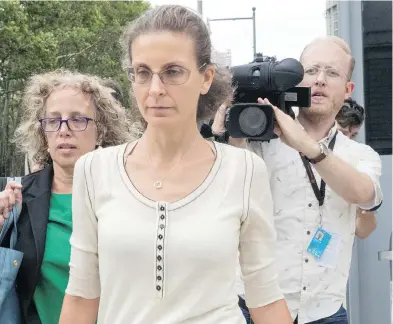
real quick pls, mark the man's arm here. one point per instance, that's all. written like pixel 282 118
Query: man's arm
pixel 349 183
pixel 366 223
pixel 354 186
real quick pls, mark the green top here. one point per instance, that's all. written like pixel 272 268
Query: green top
pixel 49 293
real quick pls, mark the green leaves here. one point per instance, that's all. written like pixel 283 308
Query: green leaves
pixel 39 36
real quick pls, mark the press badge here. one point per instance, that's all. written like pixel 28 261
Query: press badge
pixel 319 243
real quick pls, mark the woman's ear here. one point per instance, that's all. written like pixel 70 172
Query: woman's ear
pixel 208 77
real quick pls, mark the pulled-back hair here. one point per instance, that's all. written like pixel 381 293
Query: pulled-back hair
pixel 179 19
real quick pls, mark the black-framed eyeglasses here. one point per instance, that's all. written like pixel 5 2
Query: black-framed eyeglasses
pixel 75 124
pixel 173 75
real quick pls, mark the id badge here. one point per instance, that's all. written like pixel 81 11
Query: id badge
pixel 319 243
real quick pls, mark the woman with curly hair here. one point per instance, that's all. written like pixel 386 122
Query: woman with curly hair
pixel 158 222
pixel 65 115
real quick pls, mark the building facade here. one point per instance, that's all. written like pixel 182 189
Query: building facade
pixel 222 58
pixel 331 15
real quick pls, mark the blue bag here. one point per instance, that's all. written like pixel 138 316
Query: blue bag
pixel 10 261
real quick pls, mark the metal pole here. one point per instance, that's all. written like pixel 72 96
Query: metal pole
pixel 254 32
pixel 242 18
pixel 200 7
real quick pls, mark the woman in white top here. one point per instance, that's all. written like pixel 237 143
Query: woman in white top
pixel 158 223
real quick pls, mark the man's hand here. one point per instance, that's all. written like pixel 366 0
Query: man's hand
pixel 292 134
pixel 366 223
pixel 218 127
pixel 8 198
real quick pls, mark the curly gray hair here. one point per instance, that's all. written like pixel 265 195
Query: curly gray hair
pixel 179 19
pixel 113 125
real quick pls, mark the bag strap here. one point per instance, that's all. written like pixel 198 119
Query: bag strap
pixel 12 220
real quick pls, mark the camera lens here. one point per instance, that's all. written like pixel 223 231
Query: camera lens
pixel 252 121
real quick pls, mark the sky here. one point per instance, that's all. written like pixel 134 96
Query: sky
pixel 283 27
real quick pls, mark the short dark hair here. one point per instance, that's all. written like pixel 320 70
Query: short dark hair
pixel 351 114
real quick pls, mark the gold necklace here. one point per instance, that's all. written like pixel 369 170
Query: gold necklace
pixel 158 183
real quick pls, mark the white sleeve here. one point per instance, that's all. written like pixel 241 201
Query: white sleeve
pixel 258 238
pixel 370 164
pixel 84 278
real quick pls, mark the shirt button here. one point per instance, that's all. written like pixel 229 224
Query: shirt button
pixel 310 205
pixel 308 232
pixel 158 288
pixel 162 226
pixel 304 288
pixel 162 217
pixel 306 260
pixel 159 258
pixel 159 278
pixel 160 237
pixel 162 208
pixel 159 268
pixel 160 247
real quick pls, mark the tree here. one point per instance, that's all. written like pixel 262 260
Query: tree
pixel 39 36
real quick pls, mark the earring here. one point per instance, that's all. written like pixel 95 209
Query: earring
pixel 48 150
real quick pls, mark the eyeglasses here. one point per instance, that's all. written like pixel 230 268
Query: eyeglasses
pixel 330 72
pixel 174 75
pixel 75 124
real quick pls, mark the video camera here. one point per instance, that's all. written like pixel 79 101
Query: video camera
pixel 275 81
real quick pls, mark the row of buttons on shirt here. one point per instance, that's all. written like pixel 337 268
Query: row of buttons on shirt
pixel 160 247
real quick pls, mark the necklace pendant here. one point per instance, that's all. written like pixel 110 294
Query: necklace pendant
pixel 157 184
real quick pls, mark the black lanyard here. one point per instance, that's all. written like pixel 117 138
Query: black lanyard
pixel 318 192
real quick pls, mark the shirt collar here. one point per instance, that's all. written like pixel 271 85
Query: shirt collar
pixel 326 140
pixel 329 137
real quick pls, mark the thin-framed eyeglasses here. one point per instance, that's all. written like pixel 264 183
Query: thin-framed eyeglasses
pixel 330 72
pixel 75 124
pixel 173 75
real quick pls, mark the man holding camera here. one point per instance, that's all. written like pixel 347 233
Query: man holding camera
pixel 318 178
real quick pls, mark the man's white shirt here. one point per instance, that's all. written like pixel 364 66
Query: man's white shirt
pixel 314 289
